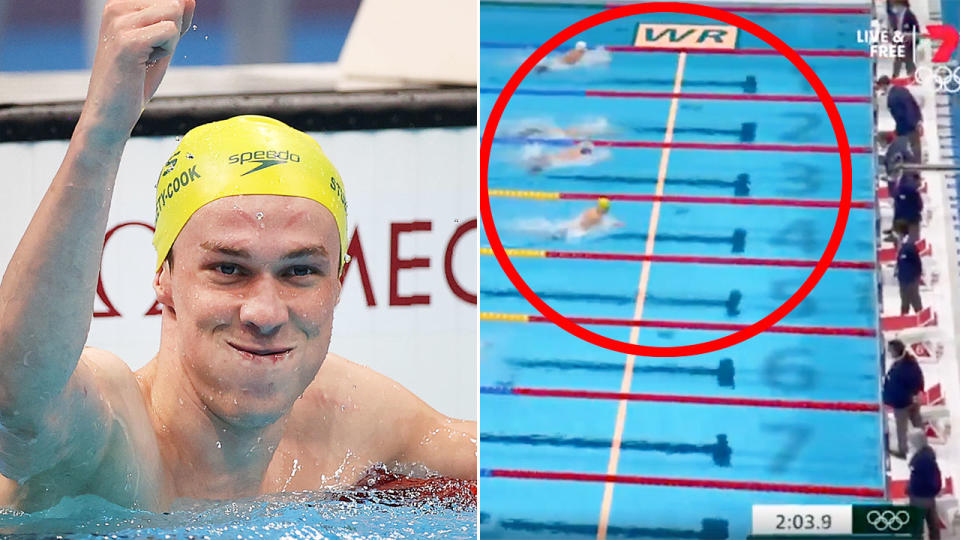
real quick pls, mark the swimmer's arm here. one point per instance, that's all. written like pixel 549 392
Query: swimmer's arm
pixel 443 444
pixel 410 432
pixel 48 288
pixel 72 433
pixel 47 291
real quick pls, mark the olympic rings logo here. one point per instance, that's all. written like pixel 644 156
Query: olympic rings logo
pixel 892 520
pixel 944 78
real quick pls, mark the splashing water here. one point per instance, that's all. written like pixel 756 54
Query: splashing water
pixel 296 469
pixel 592 58
pixel 542 227
pixel 548 128
pixel 333 514
pixel 566 230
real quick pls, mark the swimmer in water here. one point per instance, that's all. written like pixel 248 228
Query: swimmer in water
pixel 581 153
pixel 594 216
pixel 590 219
pixel 571 58
pixel 242 397
pixel 547 130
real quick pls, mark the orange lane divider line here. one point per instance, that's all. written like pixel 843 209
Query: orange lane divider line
pixel 625 383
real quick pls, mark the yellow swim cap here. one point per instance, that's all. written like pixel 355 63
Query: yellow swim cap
pixel 603 203
pixel 244 155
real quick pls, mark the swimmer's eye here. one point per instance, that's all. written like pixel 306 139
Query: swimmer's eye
pixel 228 269
pixel 227 272
pixel 303 270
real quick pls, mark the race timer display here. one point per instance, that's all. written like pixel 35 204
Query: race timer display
pixel 837 521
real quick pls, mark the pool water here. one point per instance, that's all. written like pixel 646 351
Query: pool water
pixel 348 515
pixel 524 436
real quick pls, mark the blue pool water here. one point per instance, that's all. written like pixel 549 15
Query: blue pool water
pixel 288 515
pixel 675 440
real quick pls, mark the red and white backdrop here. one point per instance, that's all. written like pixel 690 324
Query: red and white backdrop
pixel 408 308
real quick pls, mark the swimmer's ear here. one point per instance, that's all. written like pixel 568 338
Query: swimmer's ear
pixel 161 284
pixel 339 291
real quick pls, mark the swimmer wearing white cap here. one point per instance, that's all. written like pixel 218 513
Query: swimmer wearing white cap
pixel 242 397
pixel 580 153
pixel 572 57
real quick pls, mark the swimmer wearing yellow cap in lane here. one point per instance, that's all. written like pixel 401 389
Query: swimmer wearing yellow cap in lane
pixel 594 216
pixel 242 397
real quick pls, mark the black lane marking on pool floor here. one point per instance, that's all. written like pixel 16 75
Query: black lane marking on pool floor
pixel 724 372
pixel 737 240
pixel 740 186
pixel 731 305
pixel 748 85
pixel 746 133
pixel 710 529
pixel 718 451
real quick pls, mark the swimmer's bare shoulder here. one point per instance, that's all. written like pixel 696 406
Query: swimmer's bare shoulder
pixel 364 418
pixel 94 437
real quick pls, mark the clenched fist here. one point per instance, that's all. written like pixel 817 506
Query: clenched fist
pixel 137 40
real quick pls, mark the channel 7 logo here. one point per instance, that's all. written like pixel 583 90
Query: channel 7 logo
pixel 945 78
pixel 947 35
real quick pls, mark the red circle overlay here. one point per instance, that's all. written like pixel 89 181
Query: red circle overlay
pixel 690 9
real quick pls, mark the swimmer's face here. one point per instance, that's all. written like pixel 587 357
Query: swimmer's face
pixel 586 150
pixel 252 274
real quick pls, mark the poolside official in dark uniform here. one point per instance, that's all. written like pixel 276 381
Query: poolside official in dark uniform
pixel 905 111
pixel 901 391
pixel 908 206
pixel 903 20
pixel 909 271
pixel 925 481
pixel 897 154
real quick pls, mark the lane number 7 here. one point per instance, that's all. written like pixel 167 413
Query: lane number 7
pixel 948 41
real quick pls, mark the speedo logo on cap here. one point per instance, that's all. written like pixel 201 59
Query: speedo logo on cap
pixel 264 158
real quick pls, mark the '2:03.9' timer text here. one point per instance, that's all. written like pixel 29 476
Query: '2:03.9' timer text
pixel 792 522
pixel 793 519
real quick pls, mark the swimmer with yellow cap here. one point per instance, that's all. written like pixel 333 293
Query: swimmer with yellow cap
pixel 245 155
pixel 592 217
pixel 595 217
pixel 242 397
